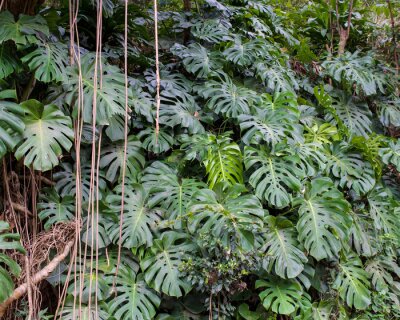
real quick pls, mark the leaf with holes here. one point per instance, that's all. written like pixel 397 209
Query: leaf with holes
pixel 169 191
pixel 391 154
pixel 282 248
pixel 48 61
pixel 66 181
pixel 162 261
pixel 156 143
pixel 53 209
pixel 231 219
pixel 226 98
pixel 110 93
pixel 181 112
pixel 47 131
pixel 276 77
pixel 197 59
pixel 280 296
pixel 352 282
pixel 134 299
pixel 139 221
pixel 245 53
pixel 274 176
pixel 323 218
pixel 354 116
pixel 349 168
pixel 212 31
pixel 382 211
pixel 23 31
pixel 112 159
pixel 389 112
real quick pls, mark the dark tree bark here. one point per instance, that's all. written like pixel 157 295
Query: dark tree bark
pixel 187 6
pixel 17 7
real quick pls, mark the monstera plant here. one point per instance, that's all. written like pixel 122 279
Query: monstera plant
pixel 241 161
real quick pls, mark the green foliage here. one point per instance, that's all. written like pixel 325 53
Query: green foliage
pixel 134 300
pixel 323 219
pixel 8 267
pixel 282 248
pixel 55 209
pixel 24 30
pixel 273 175
pixel 170 191
pixel 11 126
pixel 112 159
pixel 280 295
pixel 264 187
pixel 223 161
pixel 162 261
pixel 353 284
pixel 227 98
pixel 138 221
pixel 48 61
pixel 47 131
pixel 231 217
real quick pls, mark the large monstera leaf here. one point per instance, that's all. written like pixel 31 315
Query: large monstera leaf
pixel 11 126
pixel 363 236
pixel 354 116
pixel 391 154
pixel 134 299
pixel 227 98
pixel 66 181
pixel 170 191
pixel 54 209
pixel 353 69
pixel 197 59
pixel 156 143
pixel 109 90
pixel 47 131
pixel 282 248
pixel 381 268
pixel 276 77
pixel 223 161
pixel 138 221
pixel 273 175
pixel 112 159
pixel 48 61
pixel 389 112
pixel 352 282
pixel 382 211
pixel 280 295
pixel 24 30
pixel 181 112
pixel 350 169
pixel 245 53
pixel 162 261
pixel 323 218
pixel 272 127
pixel 211 31
pixel 227 216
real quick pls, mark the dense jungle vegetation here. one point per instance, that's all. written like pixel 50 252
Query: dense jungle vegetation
pixel 199 159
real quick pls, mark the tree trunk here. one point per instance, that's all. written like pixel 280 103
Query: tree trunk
pixel 187 6
pixel 17 7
